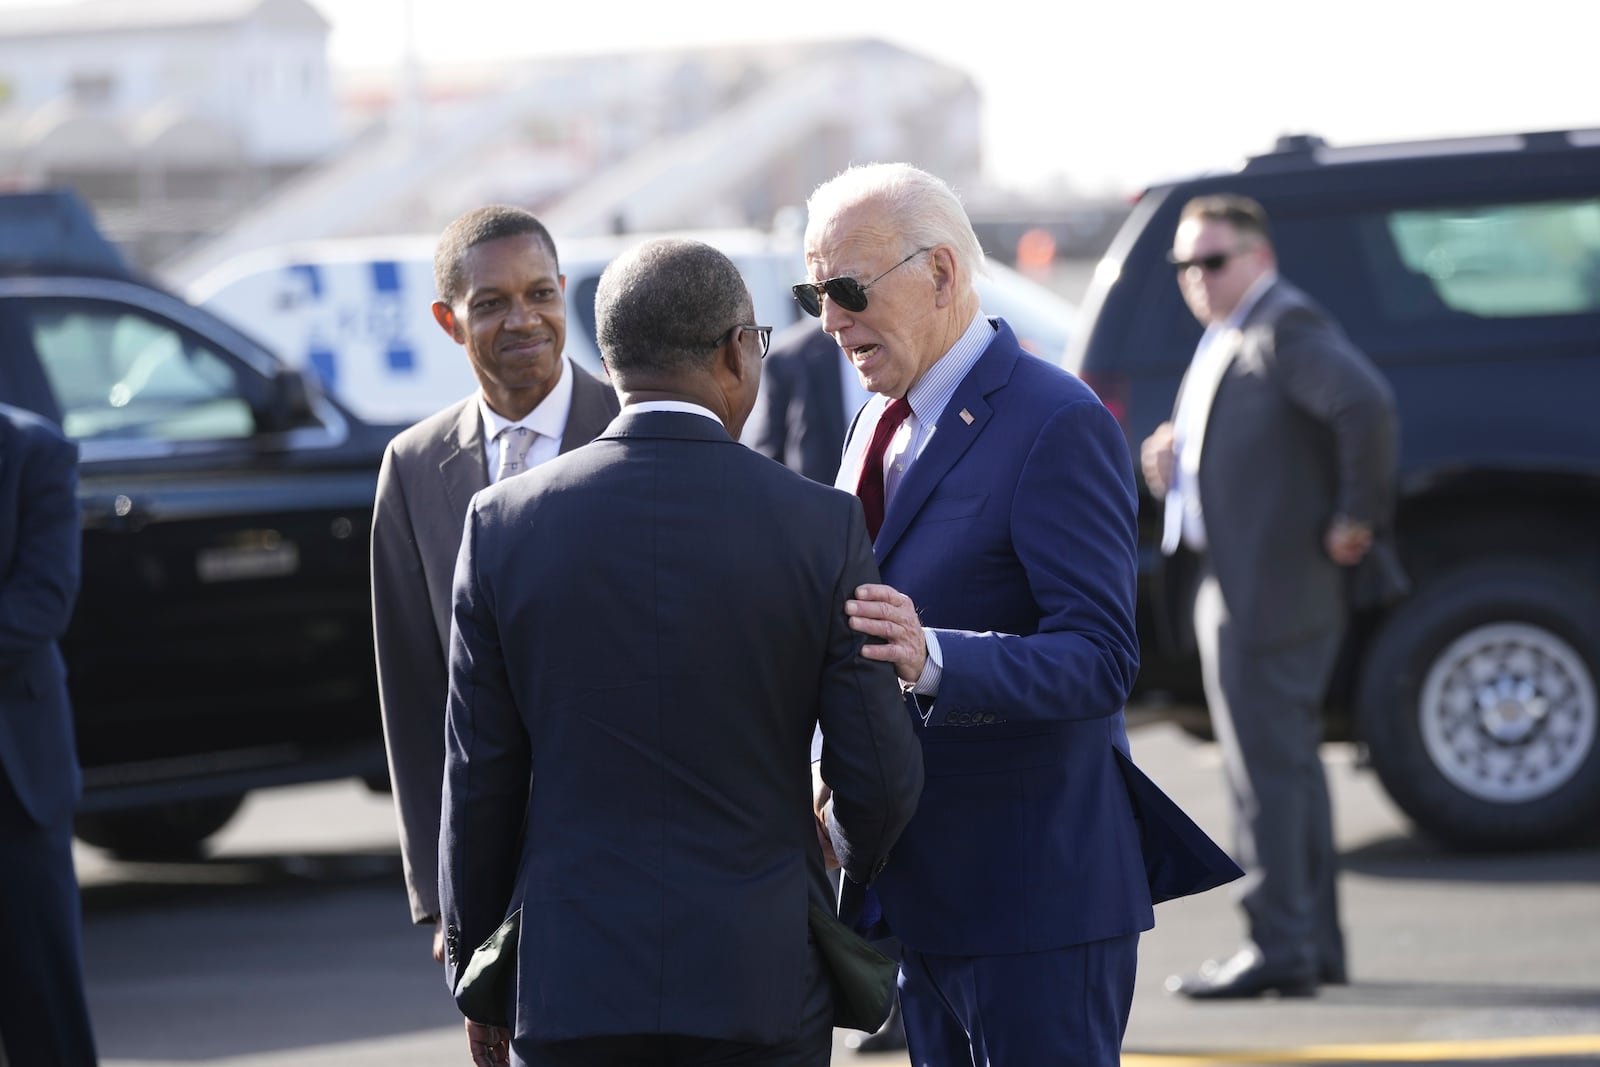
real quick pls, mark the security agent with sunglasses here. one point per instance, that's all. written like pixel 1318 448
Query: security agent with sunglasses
pixel 1000 494
pixel 647 630
pixel 1277 471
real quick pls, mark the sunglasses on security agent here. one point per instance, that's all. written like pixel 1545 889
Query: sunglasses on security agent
pixel 1211 264
pixel 846 292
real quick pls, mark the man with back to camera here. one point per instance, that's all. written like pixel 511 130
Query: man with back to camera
pixel 44 1018
pixel 1295 476
pixel 502 298
pixel 632 706
pixel 1000 495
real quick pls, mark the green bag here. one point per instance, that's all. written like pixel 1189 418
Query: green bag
pixel 484 989
pixel 863 978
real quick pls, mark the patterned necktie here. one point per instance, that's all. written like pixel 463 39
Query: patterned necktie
pixel 514 444
pixel 870 487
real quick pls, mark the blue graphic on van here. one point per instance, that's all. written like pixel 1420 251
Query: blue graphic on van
pixel 324 365
pixel 386 276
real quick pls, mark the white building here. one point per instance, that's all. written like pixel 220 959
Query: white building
pixel 168 114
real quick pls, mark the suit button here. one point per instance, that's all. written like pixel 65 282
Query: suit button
pixel 950 719
pixel 989 717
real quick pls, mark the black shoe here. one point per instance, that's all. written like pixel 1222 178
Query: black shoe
pixel 891 1036
pixel 1333 974
pixel 1239 977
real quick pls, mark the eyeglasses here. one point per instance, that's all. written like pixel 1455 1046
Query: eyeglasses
pixel 1210 264
pixel 763 333
pixel 846 292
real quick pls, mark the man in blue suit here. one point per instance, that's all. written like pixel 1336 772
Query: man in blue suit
pixel 1005 494
pixel 647 630
pixel 43 1016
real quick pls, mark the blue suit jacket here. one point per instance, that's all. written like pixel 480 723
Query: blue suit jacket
pixel 39 565
pixel 1014 534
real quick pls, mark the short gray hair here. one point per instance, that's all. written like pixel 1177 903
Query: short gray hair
pixel 924 209
pixel 665 304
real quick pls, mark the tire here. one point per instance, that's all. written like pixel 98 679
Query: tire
pixel 1478 703
pixel 161 832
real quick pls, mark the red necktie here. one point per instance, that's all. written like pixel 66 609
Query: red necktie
pixel 870 487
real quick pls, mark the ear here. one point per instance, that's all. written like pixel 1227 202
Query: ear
pixel 731 358
pixel 942 264
pixel 445 316
pixel 562 278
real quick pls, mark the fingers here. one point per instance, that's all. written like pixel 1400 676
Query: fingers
pixel 490 1046
pixel 438 941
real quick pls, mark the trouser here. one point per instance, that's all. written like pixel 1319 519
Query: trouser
pixel 1266 710
pixel 1064 1007
pixel 44 1018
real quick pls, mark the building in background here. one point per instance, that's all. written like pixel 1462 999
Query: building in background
pixel 168 115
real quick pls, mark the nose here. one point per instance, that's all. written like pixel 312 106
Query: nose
pixel 833 316
pixel 522 314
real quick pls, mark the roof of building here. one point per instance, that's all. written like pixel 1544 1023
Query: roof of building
pixel 119 16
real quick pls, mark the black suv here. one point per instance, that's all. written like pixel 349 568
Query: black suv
pixel 222 638
pixel 1469 271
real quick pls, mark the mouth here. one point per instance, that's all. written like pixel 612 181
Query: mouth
pixel 530 347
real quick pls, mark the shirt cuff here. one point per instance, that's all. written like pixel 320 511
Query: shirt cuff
pixel 927 684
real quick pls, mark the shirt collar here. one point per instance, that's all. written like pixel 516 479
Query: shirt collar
pixel 932 392
pixel 549 416
pixel 682 406
pixel 1247 303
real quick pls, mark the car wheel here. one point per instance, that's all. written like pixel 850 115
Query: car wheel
pixel 159 832
pixel 1478 704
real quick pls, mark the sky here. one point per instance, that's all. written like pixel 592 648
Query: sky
pixel 1107 95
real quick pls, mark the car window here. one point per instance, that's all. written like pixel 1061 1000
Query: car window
pixel 120 374
pixel 1506 260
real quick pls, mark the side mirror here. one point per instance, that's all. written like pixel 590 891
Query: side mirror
pixel 288 403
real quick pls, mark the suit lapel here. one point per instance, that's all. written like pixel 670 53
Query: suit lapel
pixel 463 467
pixel 590 414
pixel 951 439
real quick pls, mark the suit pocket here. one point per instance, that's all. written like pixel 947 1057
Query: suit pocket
pixel 945 509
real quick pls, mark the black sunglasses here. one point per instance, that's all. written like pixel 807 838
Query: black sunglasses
pixel 764 333
pixel 846 292
pixel 1210 264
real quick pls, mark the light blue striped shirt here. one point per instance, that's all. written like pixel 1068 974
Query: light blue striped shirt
pixel 928 397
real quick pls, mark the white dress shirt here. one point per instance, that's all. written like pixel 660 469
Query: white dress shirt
pixel 548 420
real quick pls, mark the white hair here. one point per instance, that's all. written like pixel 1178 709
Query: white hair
pixel 924 209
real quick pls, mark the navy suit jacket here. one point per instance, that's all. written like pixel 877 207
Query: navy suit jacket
pixel 39 572
pixel 646 632
pixel 799 419
pixel 1014 534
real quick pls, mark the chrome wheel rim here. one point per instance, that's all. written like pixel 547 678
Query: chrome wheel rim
pixel 1508 712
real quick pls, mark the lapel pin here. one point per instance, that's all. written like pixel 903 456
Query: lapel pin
pixel 966 416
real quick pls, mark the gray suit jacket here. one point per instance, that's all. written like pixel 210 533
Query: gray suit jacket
pixel 1302 428
pixel 429 475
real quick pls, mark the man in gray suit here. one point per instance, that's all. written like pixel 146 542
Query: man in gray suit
pixel 1277 470
pixel 502 298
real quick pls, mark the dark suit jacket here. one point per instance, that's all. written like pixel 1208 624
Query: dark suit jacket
pixel 429 474
pixel 647 631
pixel 1302 428
pixel 1014 534
pixel 799 419
pixel 39 571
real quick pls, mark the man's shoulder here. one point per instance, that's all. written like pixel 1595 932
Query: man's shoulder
pixel 1038 384
pixel 34 428
pixel 425 435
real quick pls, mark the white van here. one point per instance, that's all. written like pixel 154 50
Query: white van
pixel 356 312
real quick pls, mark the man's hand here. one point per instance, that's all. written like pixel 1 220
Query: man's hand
pixel 1155 456
pixel 438 941
pixel 490 1045
pixel 883 611
pixel 1347 541
pixel 822 796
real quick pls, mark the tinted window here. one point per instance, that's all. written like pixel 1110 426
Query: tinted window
pixel 119 374
pixel 1505 260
